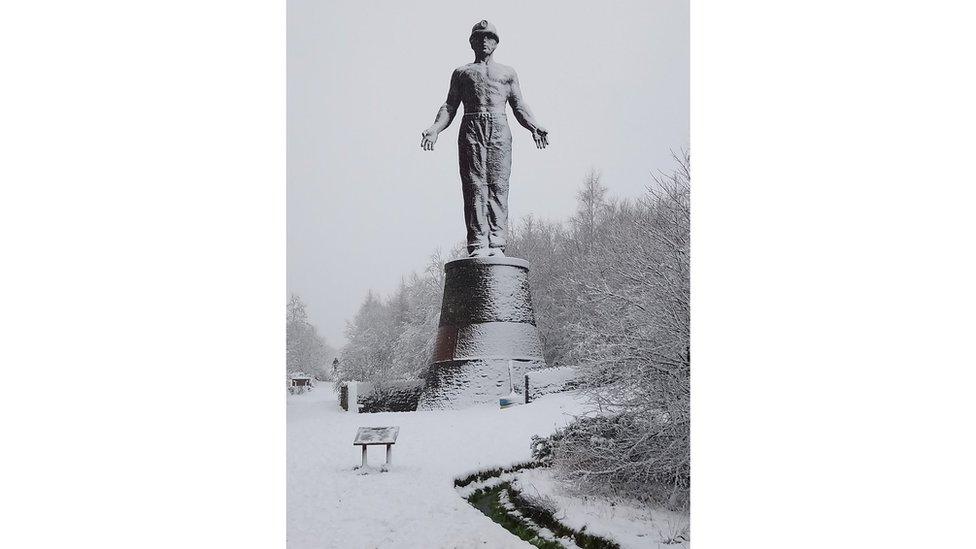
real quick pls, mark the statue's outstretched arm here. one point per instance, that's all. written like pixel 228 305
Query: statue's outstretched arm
pixel 445 115
pixel 524 115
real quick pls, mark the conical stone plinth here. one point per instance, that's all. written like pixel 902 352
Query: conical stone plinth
pixel 486 337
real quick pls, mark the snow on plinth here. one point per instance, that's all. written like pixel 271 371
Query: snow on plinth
pixel 486 336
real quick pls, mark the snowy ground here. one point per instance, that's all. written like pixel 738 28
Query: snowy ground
pixel 415 504
pixel 632 527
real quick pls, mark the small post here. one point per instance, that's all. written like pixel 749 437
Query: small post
pixel 511 382
pixel 353 396
pixel 364 456
pixel 526 389
pixel 389 455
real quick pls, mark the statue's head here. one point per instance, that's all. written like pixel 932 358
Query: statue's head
pixel 484 38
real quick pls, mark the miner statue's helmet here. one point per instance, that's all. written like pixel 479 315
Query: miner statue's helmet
pixel 484 27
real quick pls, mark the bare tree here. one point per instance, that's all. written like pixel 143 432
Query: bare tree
pixel 591 202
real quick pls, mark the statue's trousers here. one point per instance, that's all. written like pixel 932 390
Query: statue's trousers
pixel 485 158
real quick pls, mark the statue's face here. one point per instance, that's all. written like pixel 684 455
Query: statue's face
pixel 483 44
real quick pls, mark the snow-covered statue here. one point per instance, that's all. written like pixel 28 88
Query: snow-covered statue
pixel 486 337
pixel 484 141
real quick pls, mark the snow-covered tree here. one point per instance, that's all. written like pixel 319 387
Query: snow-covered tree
pixel 633 347
pixel 306 351
pixel 368 349
pixel 393 340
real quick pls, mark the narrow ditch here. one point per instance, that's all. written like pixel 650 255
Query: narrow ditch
pixel 491 493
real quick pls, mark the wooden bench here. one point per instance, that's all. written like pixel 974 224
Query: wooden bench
pixel 372 436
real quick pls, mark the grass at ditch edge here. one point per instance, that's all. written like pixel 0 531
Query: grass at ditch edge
pixel 486 501
pixel 492 473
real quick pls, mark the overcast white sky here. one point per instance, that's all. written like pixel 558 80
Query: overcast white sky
pixel 367 206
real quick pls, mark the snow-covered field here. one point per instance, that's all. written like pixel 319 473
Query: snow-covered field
pixel 414 504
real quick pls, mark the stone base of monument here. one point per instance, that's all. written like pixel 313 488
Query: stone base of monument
pixel 486 337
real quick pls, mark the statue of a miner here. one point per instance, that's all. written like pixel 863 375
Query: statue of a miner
pixel 484 141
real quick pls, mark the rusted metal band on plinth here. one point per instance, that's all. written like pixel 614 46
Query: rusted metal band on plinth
pixel 445 343
pixel 486 338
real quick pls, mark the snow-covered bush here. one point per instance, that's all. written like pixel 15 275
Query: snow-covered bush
pixel 392 397
pixel 550 380
pixel 623 455
pixel 542 449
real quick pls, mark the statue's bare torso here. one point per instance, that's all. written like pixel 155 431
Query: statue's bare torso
pixel 483 87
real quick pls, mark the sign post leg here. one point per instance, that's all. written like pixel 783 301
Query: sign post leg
pixel 389 455
pixel 364 455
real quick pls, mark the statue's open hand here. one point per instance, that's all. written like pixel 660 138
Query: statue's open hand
pixel 541 137
pixel 427 140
